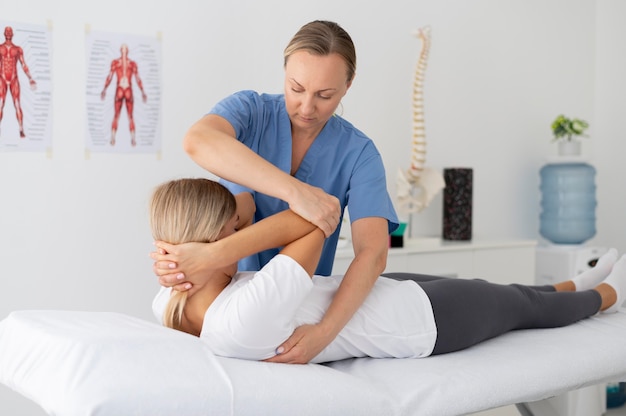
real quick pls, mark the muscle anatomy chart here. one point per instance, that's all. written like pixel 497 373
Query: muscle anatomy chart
pixel 123 93
pixel 25 87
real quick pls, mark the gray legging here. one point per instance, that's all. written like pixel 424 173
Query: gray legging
pixel 470 311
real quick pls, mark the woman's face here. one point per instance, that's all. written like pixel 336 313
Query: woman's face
pixel 314 86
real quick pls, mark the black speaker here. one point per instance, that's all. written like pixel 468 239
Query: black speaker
pixel 457 204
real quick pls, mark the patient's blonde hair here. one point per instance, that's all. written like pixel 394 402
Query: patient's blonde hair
pixel 186 210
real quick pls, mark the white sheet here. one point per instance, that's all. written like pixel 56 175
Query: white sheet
pixel 517 367
pixel 90 363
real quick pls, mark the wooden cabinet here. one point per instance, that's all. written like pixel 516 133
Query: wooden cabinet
pixel 504 261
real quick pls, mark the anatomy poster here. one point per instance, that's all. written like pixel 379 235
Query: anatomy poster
pixel 123 93
pixel 25 87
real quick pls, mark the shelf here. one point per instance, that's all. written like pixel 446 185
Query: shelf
pixel 431 245
pixel 499 261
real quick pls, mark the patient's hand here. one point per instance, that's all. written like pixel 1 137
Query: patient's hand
pixel 306 342
pixel 181 265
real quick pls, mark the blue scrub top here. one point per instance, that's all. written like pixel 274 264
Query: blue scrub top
pixel 342 161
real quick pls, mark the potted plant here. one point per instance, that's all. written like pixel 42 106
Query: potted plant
pixel 566 131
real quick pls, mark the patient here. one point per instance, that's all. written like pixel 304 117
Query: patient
pixel 248 314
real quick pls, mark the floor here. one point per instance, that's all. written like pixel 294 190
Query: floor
pixel 500 411
pixel 512 411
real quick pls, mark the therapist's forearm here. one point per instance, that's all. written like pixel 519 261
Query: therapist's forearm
pixel 368 264
pixel 211 143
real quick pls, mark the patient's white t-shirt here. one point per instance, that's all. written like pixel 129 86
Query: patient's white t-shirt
pixel 257 311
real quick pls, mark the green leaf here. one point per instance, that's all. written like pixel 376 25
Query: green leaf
pixel 565 127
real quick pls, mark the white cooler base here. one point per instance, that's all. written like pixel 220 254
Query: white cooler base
pixel 588 401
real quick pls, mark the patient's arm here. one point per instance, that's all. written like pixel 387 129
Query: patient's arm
pixel 172 260
pixel 281 229
pixel 195 259
pixel 306 250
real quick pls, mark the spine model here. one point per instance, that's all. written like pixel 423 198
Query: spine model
pixel 418 185
pixel 418 144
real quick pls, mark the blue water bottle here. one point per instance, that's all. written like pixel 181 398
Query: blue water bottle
pixel 568 202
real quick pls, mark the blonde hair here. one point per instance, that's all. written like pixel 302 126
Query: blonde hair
pixel 322 38
pixel 186 210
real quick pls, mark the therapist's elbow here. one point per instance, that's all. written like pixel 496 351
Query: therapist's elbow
pixel 191 142
pixel 381 261
pixel 375 257
pixel 381 252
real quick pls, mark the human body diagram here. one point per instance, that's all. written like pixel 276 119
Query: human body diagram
pixel 10 55
pixel 124 69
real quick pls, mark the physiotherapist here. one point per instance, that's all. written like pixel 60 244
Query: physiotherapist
pixel 291 150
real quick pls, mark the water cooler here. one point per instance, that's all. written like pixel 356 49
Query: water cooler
pixel 558 262
pixel 555 263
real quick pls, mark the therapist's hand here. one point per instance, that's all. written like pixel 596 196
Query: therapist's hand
pixel 306 342
pixel 181 266
pixel 317 207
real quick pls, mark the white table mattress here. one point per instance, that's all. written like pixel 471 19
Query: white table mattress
pixel 93 363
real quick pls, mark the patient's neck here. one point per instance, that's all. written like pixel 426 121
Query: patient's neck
pixel 200 299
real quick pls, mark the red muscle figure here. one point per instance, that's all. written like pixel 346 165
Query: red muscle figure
pixel 124 69
pixel 10 55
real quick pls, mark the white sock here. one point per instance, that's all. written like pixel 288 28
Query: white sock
pixel 593 277
pixel 617 280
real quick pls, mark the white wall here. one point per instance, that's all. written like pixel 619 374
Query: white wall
pixel 74 233
pixel 498 74
pixel 609 110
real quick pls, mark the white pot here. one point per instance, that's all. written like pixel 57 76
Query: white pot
pixel 569 148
